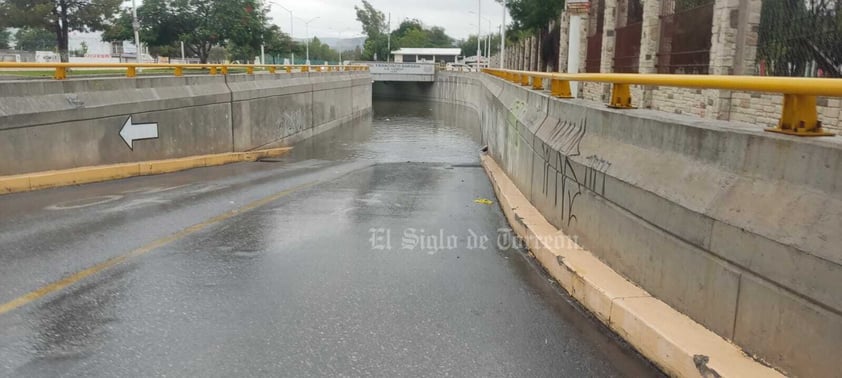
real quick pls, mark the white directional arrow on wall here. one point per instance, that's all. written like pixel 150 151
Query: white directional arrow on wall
pixel 138 131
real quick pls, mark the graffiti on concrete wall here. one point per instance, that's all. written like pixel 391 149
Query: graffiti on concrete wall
pixel 293 121
pixel 595 172
pixel 568 139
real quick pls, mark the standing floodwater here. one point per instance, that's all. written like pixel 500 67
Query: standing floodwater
pixel 402 131
pixel 368 251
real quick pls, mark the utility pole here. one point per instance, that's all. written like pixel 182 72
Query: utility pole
pixel 307 27
pixel 479 33
pixel 503 36
pixel 291 32
pixel 488 42
pixel 136 27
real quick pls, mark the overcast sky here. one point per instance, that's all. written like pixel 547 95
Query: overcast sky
pixel 337 17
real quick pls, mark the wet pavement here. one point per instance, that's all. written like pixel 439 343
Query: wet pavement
pixel 362 253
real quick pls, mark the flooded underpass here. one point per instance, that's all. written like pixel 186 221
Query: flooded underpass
pixel 373 249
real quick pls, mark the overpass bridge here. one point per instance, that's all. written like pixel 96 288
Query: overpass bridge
pixel 371 243
pixel 402 72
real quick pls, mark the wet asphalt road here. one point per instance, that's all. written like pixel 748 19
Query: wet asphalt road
pixel 357 255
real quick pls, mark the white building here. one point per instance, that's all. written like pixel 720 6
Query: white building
pixel 437 55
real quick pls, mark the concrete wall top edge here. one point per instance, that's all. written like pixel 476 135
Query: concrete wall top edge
pixel 741 148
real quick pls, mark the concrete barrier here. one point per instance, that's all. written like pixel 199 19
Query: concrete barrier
pixel 54 125
pixel 732 226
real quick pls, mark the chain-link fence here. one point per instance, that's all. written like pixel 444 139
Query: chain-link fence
pixel 800 38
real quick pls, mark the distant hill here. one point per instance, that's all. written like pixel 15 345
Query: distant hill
pixel 338 44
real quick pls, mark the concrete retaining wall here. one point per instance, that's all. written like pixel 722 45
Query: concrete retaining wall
pixel 50 125
pixel 737 228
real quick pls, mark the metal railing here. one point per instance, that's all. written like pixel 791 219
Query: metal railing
pixel 799 116
pixel 131 69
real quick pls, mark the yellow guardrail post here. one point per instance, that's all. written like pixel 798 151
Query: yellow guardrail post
pixel 131 71
pixel 61 73
pixel 273 69
pixel 305 69
pixel 524 80
pixel 288 69
pixel 800 117
pixel 213 70
pixel 620 97
pixel 179 71
pixel 537 83
pixel 250 70
pixel 560 88
pixel 225 70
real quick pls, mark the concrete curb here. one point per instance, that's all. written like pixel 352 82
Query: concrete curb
pixel 84 175
pixel 677 344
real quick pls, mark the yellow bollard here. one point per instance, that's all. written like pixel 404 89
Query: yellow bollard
pixel 620 97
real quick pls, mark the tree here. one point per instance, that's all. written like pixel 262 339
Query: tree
pixel 469 46
pixel 60 17
pixel 200 24
pixel 413 33
pixel 28 39
pixel 5 35
pixel 355 54
pixel 533 15
pixel 83 49
pixel 438 37
pixel 374 26
pixel 278 43
pixel 321 51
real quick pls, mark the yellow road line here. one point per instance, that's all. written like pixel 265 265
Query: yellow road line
pixel 81 275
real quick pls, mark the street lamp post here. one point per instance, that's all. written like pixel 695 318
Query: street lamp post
pixel 479 33
pixel 340 47
pixel 487 37
pixel 291 31
pixel 136 27
pixel 503 36
pixel 307 27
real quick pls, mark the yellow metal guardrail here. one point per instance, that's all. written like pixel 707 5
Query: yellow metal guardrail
pixel 799 116
pixel 178 69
